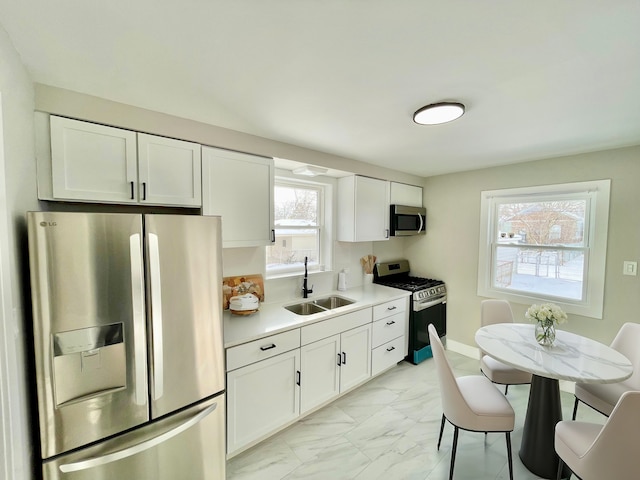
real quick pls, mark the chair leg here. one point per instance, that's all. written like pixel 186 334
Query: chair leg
pixel 506 387
pixel 509 456
pixel 575 409
pixel 453 451
pixel 560 467
pixel 441 430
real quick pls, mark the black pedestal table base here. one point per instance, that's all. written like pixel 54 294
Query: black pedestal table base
pixel 537 450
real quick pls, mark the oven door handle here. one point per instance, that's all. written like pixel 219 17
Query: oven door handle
pixel 418 306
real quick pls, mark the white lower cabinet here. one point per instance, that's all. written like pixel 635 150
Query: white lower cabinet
pixel 356 357
pixel 320 373
pixel 387 355
pixel 261 398
pixel 390 329
pixel 333 365
pixel 274 380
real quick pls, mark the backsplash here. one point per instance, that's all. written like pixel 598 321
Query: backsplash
pixel 243 261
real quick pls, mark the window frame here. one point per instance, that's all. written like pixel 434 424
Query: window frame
pixel 594 245
pixel 324 250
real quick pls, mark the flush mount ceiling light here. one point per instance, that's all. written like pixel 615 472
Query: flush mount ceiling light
pixel 310 171
pixel 437 113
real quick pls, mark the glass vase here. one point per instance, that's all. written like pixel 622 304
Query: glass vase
pixel 545 333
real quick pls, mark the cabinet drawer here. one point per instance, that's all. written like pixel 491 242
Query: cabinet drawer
pixel 260 349
pixel 334 326
pixel 389 308
pixel 388 328
pixel 387 355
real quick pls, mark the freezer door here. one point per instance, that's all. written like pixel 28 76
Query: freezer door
pixel 184 285
pixel 186 445
pixel 87 290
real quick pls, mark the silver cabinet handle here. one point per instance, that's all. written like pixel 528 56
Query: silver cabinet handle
pixel 141 447
pixel 156 315
pixel 137 300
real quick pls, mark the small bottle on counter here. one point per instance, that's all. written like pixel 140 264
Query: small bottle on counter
pixel 342 280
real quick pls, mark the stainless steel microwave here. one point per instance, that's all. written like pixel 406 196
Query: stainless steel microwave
pixel 406 221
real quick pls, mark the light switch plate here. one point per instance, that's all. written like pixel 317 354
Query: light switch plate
pixel 630 268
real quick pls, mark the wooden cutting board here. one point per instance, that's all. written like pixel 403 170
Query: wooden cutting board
pixel 232 286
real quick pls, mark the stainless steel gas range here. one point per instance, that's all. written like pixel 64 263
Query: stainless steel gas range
pixel 428 305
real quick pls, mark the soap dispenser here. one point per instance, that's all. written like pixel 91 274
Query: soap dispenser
pixel 342 280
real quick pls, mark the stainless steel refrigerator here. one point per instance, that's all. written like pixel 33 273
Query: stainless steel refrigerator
pixel 127 314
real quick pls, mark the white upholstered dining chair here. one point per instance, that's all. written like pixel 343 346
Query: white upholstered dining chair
pixel 596 452
pixel 491 312
pixel 604 396
pixel 470 403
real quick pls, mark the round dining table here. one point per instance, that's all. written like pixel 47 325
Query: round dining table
pixel 571 357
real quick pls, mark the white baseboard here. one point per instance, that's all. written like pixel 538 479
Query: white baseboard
pixel 474 352
pixel 463 349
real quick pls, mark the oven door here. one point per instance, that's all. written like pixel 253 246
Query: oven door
pixel 422 314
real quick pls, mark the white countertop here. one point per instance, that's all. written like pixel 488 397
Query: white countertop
pixel 273 318
pixel 571 357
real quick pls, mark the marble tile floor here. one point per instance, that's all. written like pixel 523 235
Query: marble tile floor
pixel 388 429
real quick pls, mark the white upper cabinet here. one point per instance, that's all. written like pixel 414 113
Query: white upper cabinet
pixel 239 187
pixel 93 162
pixel 97 163
pixel 169 171
pixel 403 194
pixel 363 209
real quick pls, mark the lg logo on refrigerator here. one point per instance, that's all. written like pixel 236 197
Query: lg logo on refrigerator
pixel 48 224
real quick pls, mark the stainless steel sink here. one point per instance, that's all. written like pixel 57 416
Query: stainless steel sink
pixel 308 308
pixel 319 305
pixel 333 302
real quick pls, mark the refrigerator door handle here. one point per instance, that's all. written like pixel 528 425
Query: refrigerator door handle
pixel 156 315
pixel 141 447
pixel 137 289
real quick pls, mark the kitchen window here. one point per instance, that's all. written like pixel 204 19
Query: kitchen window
pixel 299 228
pixel 546 244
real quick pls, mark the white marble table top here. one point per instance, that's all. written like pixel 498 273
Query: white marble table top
pixel 571 357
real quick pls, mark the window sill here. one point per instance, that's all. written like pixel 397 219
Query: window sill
pixel 276 276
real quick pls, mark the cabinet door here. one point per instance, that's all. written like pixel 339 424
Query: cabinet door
pixel 262 397
pixel 320 374
pixel 364 209
pixel 372 209
pixel 403 194
pixel 355 346
pixel 169 171
pixel 92 162
pixel 239 187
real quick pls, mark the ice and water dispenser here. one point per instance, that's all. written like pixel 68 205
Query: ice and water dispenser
pixel 88 362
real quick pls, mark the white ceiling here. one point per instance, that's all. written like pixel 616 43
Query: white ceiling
pixel 539 78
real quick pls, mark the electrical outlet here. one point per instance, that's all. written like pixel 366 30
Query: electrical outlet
pixel 630 268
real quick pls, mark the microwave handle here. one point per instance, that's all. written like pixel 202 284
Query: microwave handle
pixel 421 223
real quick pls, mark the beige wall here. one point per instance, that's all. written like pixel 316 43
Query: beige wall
pixel 450 249
pixel 86 107
pixel 17 195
